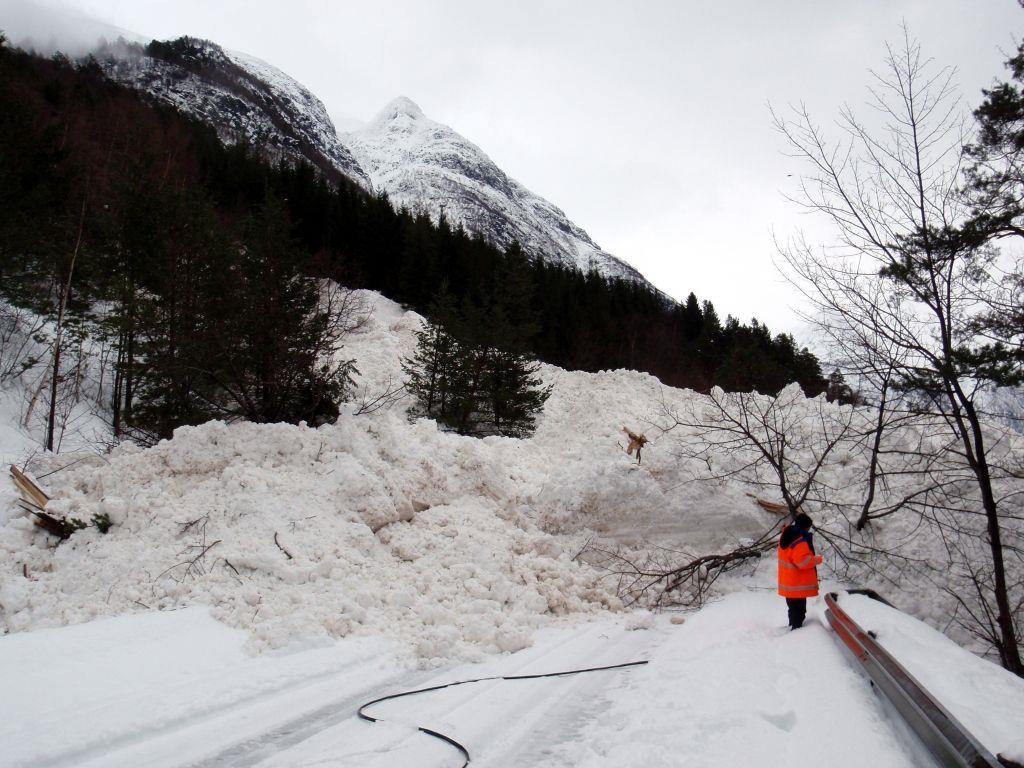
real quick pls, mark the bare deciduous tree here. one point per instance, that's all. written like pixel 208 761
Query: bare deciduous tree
pixel 764 441
pixel 901 288
pixel 781 443
pixel 19 333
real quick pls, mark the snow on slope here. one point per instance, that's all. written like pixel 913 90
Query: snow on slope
pixel 243 97
pixel 425 166
pixel 456 547
pixel 486 561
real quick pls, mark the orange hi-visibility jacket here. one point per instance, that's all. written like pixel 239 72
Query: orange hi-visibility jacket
pixel 797 575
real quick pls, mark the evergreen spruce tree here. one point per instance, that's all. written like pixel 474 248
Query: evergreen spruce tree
pixel 471 371
pixel 693 319
pixel 516 393
pixel 276 342
pixel 432 371
pixel 514 390
pixel 175 327
pixel 838 390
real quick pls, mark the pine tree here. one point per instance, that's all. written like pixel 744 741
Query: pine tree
pixel 516 393
pixel 693 319
pixel 432 370
pixel 276 337
pixel 469 371
pixel 174 325
pixel 838 390
pixel 514 390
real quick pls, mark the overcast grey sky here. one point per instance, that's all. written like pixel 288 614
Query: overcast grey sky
pixel 645 121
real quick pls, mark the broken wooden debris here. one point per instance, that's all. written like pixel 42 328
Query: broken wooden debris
pixel 770 506
pixel 636 443
pixel 33 500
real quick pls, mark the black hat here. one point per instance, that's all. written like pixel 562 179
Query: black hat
pixel 803 521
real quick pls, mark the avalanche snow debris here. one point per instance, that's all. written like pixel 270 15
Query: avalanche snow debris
pixel 456 547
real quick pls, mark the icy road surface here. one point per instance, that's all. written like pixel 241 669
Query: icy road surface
pixel 729 687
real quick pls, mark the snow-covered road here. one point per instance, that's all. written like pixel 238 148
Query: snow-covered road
pixel 728 687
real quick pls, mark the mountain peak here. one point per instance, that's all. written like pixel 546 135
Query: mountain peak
pixel 427 167
pixel 400 106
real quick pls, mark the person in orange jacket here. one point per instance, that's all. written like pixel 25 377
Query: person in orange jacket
pixel 798 576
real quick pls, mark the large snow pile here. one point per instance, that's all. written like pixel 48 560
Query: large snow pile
pixel 376 524
pixel 457 546
pixel 295 533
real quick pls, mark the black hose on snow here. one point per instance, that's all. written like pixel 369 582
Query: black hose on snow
pixel 448 739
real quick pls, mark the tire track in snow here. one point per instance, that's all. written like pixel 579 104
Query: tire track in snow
pixel 545 717
pixel 465 696
pixel 495 719
pixel 235 723
pixel 298 729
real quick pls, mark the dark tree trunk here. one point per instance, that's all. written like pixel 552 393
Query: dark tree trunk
pixel 865 512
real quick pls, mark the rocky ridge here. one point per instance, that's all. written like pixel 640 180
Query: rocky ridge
pixel 421 164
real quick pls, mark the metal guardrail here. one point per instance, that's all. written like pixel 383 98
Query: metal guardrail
pixel 945 737
pixel 949 742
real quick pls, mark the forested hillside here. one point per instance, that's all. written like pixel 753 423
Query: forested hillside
pixel 199 263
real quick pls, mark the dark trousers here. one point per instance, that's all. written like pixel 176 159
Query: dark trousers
pixel 797 610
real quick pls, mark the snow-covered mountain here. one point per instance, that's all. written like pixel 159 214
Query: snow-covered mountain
pixel 244 98
pixel 426 166
pixel 421 164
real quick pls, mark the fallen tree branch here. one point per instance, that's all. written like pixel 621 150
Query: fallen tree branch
pixel 195 566
pixel 658 579
pixel 199 524
pixel 370 402
pixel 286 552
